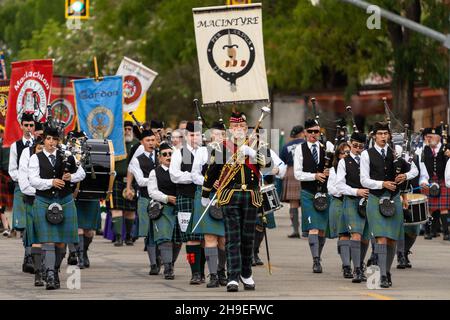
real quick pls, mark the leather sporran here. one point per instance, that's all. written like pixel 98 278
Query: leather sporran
pixel 387 207
pixel 55 214
pixel 362 206
pixel 320 201
pixel 154 210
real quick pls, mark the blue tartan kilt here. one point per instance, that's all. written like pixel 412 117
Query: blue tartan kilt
pixel 270 220
pixel 29 235
pixel 380 226
pixel 208 225
pixel 165 228
pixel 19 211
pixel 311 218
pixel 144 221
pixel 88 213
pixel 337 223
pixel 65 232
pixel 186 204
pixel 412 230
pixel 354 222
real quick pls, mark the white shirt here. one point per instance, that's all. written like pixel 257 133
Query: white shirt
pixel 277 163
pixel 331 184
pixel 45 184
pixel 140 150
pixel 24 181
pixel 298 162
pixel 447 174
pixel 369 183
pixel 200 159
pixel 136 170
pixel 13 168
pixel 341 178
pixel 153 189
pixel 176 175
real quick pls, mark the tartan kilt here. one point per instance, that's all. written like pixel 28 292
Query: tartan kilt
pixel 88 214
pixel 380 226
pixel 165 228
pixel 144 221
pixel 311 218
pixel 19 212
pixel 336 218
pixel 66 232
pixel 30 233
pixel 270 219
pixel 412 230
pixel 291 186
pixel 119 202
pixel 6 197
pixel 354 222
pixel 208 225
pixel 438 203
pixel 186 204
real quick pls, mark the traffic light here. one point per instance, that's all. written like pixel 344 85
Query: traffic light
pixel 77 9
pixel 233 2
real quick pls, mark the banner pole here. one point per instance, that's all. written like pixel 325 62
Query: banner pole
pixel 96 69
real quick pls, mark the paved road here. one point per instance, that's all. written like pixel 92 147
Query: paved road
pixel 122 273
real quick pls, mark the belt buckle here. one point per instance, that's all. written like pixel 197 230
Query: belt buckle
pixel 244 187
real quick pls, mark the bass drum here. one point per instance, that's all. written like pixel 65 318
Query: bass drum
pixel 99 168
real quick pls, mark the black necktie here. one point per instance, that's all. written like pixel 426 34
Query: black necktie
pixel 383 153
pixel 357 159
pixel 27 144
pixel 52 159
pixel 314 153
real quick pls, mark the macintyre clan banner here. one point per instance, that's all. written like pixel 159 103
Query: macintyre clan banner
pixel 99 110
pixel 4 91
pixel 62 102
pixel 230 52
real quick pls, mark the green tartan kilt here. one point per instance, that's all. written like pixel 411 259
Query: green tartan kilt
pixel 208 225
pixel 353 220
pixel 144 221
pixel 186 204
pixel 380 226
pixel 311 218
pixel 336 218
pixel 119 202
pixel 88 213
pixel 270 219
pixel 165 228
pixel 65 232
pixel 19 211
pixel 29 235
pixel 412 230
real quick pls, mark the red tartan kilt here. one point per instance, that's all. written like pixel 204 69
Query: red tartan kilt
pixel 438 203
pixel 6 198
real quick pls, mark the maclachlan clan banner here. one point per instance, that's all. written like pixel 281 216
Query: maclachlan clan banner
pixel 99 110
pixel 230 53
pixel 137 78
pixel 29 91
pixel 4 91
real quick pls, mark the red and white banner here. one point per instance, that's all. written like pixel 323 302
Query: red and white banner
pixel 62 101
pixel 29 91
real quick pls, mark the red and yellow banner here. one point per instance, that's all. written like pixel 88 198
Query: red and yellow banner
pixel 62 101
pixel 4 91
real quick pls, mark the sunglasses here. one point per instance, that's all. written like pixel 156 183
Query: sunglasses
pixel 31 125
pixel 358 146
pixel 166 154
pixel 313 131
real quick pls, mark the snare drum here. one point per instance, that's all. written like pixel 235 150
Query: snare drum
pixel 98 183
pixel 271 201
pixel 417 212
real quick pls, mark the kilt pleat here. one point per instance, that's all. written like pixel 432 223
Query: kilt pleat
pixel 207 225
pixel 88 213
pixel 336 218
pixel 65 232
pixel 30 233
pixel 354 222
pixel 144 221
pixel 311 218
pixel 118 200
pixel 166 227
pixel 291 186
pixel 186 204
pixel 438 203
pixel 19 211
pixel 380 226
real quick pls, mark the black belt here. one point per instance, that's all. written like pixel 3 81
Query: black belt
pixel 242 186
pixel 339 198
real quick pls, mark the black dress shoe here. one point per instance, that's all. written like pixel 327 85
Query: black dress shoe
pixel 258 260
pixel 347 272
pixel 168 271
pixel 80 260
pixel 50 278
pixel 233 286
pixel 248 286
pixel 119 241
pixel 294 235
pixel 213 281
pixel 373 260
pixel 154 270
pixel 196 278
pixel 317 268
pixel 428 236
pixel 222 277
pixel 401 261
pixel 446 236
pixel 408 263
pixel 72 259
pixel 38 282
pixel 28 266
pixel 203 278
pixel 57 282
pixel 129 241
pixel 357 276
pixel 384 282
pixel 389 279
pixel 87 263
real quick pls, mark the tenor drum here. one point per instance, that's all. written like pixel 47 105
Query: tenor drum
pixel 99 168
pixel 417 213
pixel 271 201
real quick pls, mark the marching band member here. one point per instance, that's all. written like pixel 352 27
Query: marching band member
pixel 338 227
pixel 27 125
pixel 181 174
pixel 212 229
pixel 384 208
pixel 29 194
pixel 166 231
pixel 349 182
pixel 140 167
pixel 291 186
pixel 48 175
pixel 240 197
pixel 309 168
pixel 124 208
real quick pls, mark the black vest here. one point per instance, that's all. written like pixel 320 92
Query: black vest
pixel 434 165
pixel 20 147
pixel 187 190
pixel 381 169
pixel 47 171
pixel 147 165
pixel 309 165
pixel 352 177
pixel 165 184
